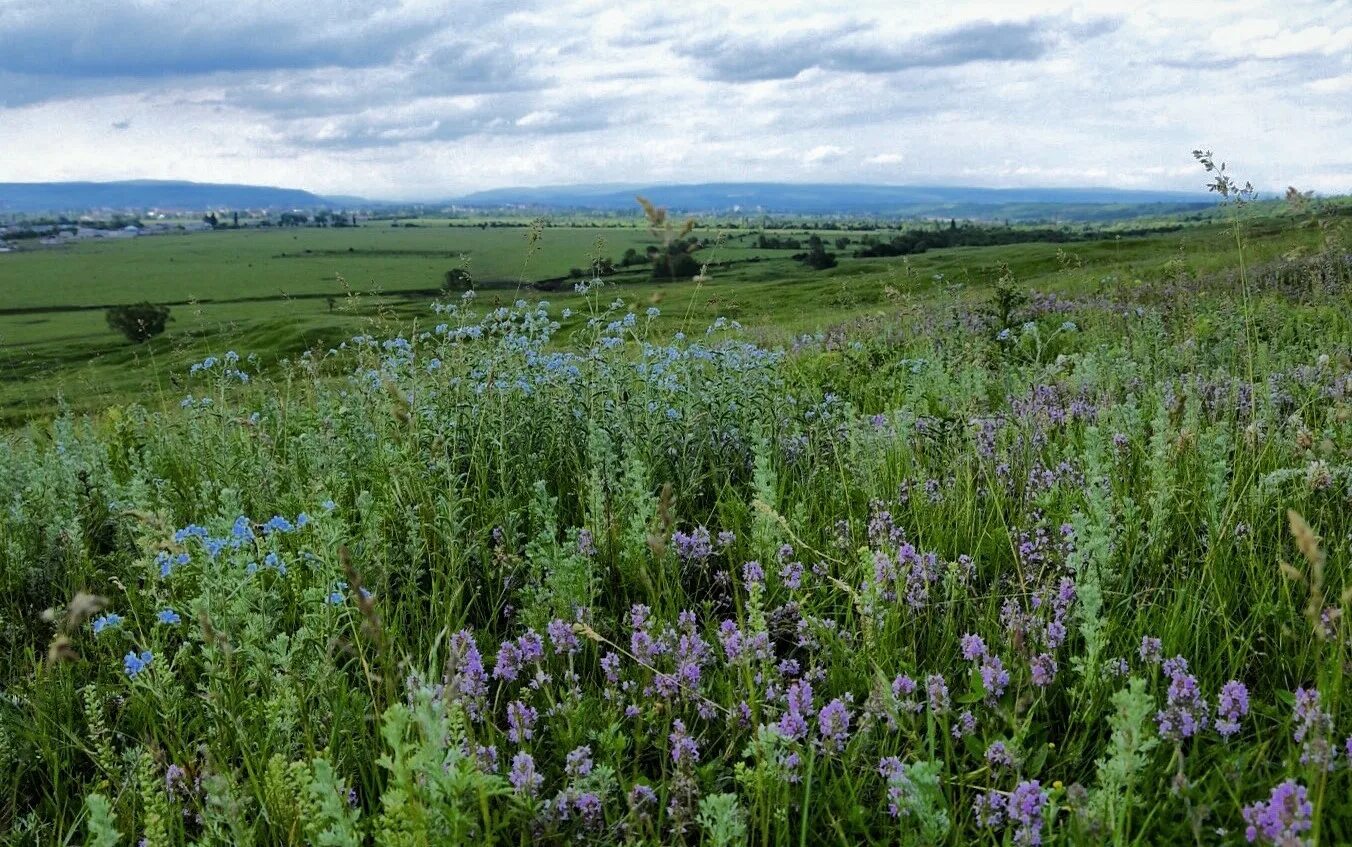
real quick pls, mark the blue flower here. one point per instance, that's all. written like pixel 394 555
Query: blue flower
pixel 108 621
pixel 278 524
pixel 169 617
pixel 134 664
pixel 336 596
pixel 329 505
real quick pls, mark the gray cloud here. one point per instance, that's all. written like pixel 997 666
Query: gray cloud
pixel 154 39
pixel 746 59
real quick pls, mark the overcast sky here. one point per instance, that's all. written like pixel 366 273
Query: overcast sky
pixel 417 100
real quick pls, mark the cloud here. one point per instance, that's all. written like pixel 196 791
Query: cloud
pixel 851 48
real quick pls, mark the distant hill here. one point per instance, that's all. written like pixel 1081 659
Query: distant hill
pixel 140 195
pixel 830 198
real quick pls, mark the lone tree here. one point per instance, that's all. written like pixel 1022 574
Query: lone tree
pixel 138 322
pixel 674 259
pixel 457 279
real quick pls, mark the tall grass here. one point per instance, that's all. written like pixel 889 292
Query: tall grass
pixel 929 585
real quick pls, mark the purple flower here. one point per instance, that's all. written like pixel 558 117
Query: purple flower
pixel 1282 818
pixel 578 763
pixel 468 683
pixel 1177 666
pixel 891 769
pixel 1151 650
pixel 1233 705
pixel 561 635
pixel 752 572
pixel 937 692
pixel 610 663
pixel 989 808
pixel 1185 712
pixel 523 776
pixel 693 547
pixel 965 724
pixel 998 755
pixel 1024 809
pixel 973 647
pixel 508 664
pixel 1313 728
pixel 683 747
pixel 1044 669
pixel 833 723
pixel 520 722
pixel 994 678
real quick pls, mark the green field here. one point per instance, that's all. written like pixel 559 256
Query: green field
pixel 277 292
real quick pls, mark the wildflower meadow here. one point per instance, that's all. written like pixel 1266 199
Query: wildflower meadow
pixel 1020 570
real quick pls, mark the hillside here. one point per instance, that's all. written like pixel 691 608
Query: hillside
pixel 140 195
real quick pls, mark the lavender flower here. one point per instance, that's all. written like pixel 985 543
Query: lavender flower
pixel 1151 650
pixel 683 747
pixel 1024 809
pixel 994 678
pixel 937 692
pixel 468 682
pixel 833 723
pixel 1280 819
pixel 520 722
pixel 1044 669
pixel 1233 704
pixel 965 725
pixel 1313 728
pixel 998 756
pixel 523 776
pixel 973 648
pixel 578 763
pixel 561 635
pixel 1185 713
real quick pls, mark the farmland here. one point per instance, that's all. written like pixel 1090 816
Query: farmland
pixel 279 292
pixel 1021 544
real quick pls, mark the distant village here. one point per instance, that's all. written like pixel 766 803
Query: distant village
pixel 48 232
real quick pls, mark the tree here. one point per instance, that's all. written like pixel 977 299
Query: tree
pixel 138 322
pixel 457 279
pixel 816 256
pixel 673 260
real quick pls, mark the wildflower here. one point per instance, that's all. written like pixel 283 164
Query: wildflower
pixel 1044 669
pixel 1024 808
pixel 683 747
pixel 994 678
pixel 752 572
pixel 833 723
pixel 586 543
pixel 937 692
pixel 989 808
pixel 108 621
pixel 1313 727
pixel 561 635
pixel 1280 819
pixel 579 762
pixel 134 664
pixel 1151 650
pixel 336 595
pixel 1233 705
pixel 468 683
pixel 973 647
pixel 1185 713
pixel 965 724
pixel 523 776
pixel 998 756
pixel 169 617
pixel 508 665
pixel 520 722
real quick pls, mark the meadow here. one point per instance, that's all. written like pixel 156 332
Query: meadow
pixel 1034 544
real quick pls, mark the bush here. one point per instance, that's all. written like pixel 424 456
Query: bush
pixel 139 322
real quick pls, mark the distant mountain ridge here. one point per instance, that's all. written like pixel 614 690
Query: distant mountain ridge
pixel 716 197
pixel 143 194
pixel 825 198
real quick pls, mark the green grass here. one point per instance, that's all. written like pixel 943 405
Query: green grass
pixel 268 291
pixel 1113 465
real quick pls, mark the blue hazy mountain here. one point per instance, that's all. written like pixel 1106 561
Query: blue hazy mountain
pixel 143 194
pixel 836 198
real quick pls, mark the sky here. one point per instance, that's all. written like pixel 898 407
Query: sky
pixel 413 100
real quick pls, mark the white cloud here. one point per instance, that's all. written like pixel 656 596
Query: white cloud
pixel 399 99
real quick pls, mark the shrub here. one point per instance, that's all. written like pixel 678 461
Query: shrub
pixel 138 322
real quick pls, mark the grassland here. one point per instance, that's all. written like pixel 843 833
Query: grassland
pixel 1021 545
pixel 279 292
